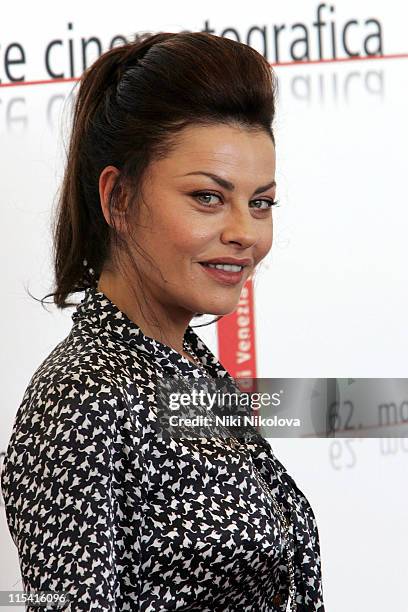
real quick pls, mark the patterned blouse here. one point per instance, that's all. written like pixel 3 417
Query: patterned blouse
pixel 102 508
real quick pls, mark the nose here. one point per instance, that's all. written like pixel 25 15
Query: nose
pixel 239 228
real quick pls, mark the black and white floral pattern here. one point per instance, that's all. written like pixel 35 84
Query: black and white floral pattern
pixel 100 507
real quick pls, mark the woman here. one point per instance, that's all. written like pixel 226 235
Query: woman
pixel 170 169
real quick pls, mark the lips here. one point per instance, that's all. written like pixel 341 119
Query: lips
pixel 224 277
pixel 212 265
pixel 247 261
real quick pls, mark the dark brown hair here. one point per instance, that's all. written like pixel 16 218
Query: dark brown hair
pixel 132 103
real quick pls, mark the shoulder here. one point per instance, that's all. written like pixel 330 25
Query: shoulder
pixel 84 370
pixel 88 358
pixel 74 407
pixel 80 388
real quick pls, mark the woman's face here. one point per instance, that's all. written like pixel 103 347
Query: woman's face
pixel 179 227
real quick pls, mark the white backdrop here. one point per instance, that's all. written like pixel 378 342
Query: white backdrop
pixel 331 297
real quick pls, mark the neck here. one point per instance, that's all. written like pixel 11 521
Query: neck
pixel 171 324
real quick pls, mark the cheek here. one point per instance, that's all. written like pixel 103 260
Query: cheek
pixel 189 237
pixel 266 239
pixel 165 235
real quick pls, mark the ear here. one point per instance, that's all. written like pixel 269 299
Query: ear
pixel 107 179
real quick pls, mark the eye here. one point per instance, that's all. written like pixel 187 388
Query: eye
pixel 199 194
pixel 267 201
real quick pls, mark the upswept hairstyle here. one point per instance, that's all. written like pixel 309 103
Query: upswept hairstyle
pixel 131 104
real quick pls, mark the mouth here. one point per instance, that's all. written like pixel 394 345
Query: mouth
pixel 226 274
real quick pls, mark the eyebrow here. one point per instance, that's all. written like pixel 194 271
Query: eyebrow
pixel 227 184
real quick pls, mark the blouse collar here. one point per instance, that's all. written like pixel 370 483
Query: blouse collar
pixel 100 314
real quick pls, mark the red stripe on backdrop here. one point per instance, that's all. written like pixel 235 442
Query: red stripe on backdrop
pixel 237 341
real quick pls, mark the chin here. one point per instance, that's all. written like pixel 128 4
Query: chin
pixel 219 309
